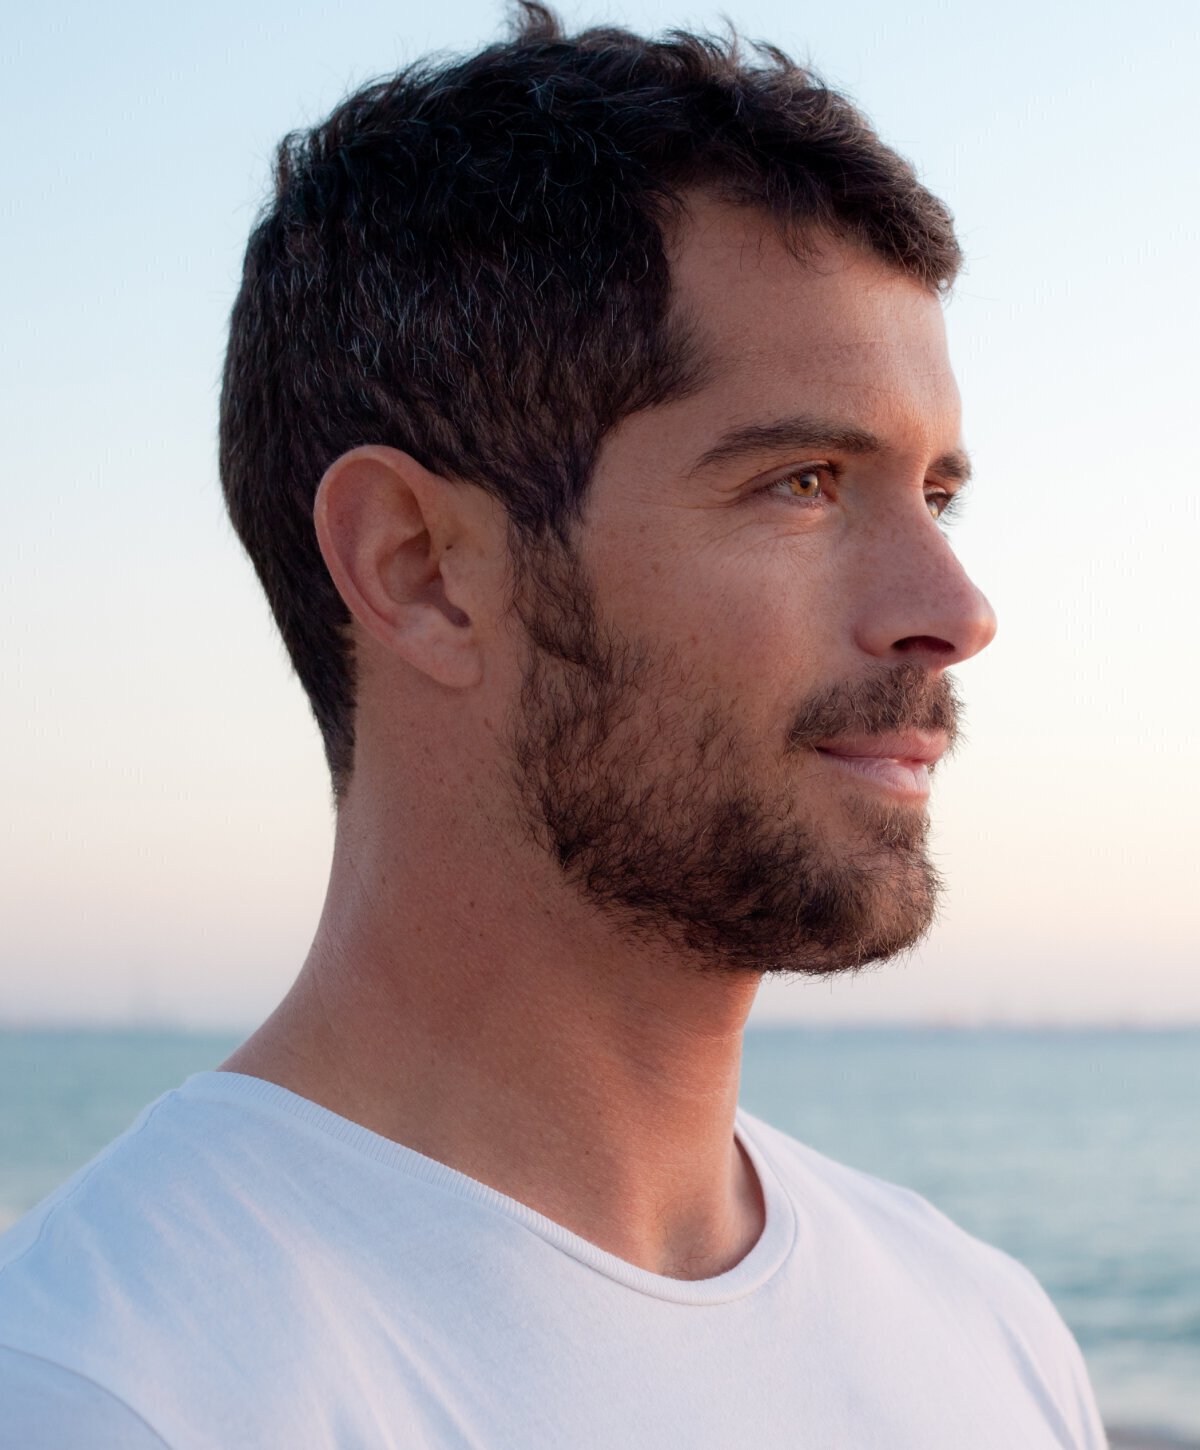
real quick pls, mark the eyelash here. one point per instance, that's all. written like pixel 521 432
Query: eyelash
pixel 948 502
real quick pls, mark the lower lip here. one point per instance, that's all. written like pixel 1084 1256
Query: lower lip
pixel 904 777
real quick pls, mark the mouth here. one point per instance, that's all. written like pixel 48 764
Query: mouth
pixel 897 763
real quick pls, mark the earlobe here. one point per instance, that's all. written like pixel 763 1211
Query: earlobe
pixel 388 529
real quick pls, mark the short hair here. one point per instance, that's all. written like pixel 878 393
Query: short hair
pixel 467 261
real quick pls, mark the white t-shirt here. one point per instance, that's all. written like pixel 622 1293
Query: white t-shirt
pixel 244 1269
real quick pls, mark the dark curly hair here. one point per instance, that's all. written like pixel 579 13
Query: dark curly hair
pixel 467 261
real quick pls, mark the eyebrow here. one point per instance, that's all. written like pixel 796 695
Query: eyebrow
pixel 816 435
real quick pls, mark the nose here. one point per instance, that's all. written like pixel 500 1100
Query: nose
pixel 916 602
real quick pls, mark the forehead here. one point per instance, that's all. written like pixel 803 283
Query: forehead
pixel 836 331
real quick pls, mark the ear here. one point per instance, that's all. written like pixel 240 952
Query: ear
pixel 404 548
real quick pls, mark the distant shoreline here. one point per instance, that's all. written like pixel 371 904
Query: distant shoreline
pixel 932 1026
pixel 1120 1439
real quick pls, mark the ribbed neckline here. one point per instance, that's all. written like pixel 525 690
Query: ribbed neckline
pixel 760 1264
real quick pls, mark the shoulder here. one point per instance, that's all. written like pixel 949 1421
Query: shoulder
pixel 151 1247
pixel 162 1272
pixel 134 1191
pixel 899 1221
pixel 904 1246
pixel 895 1216
pixel 154 1282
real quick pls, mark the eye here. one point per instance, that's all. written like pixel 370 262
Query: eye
pixel 940 502
pixel 805 484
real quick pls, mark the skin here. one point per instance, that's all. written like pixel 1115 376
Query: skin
pixel 463 996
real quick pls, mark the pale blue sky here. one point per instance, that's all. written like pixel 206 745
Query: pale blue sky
pixel 166 827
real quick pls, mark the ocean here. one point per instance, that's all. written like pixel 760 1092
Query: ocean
pixel 1077 1152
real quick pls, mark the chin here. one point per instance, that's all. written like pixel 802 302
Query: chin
pixel 887 923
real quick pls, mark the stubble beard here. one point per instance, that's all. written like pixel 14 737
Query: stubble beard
pixel 641 787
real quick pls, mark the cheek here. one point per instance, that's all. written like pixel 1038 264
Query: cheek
pixel 756 636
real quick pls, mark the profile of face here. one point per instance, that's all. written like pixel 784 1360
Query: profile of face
pixel 735 683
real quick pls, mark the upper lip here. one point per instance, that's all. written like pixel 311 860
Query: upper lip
pixel 922 747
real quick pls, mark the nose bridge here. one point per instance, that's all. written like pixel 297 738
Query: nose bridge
pixel 918 598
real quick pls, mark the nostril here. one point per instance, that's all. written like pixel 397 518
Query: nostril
pixel 925 644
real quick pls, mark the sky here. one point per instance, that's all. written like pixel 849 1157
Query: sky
pixel 166 831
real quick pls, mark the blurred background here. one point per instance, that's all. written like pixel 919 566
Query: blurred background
pixel 1033 1066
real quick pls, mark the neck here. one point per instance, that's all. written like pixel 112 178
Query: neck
pixel 529 1047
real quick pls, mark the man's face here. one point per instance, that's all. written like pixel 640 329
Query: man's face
pixel 735 687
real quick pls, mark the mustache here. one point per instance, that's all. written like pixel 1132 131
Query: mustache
pixel 906 698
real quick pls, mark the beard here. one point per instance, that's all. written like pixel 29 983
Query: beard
pixel 660 813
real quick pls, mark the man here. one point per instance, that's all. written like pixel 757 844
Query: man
pixel 588 419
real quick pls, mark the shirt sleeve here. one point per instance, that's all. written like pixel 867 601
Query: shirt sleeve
pixel 50 1407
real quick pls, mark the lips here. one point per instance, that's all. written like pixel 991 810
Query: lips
pixel 898 762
